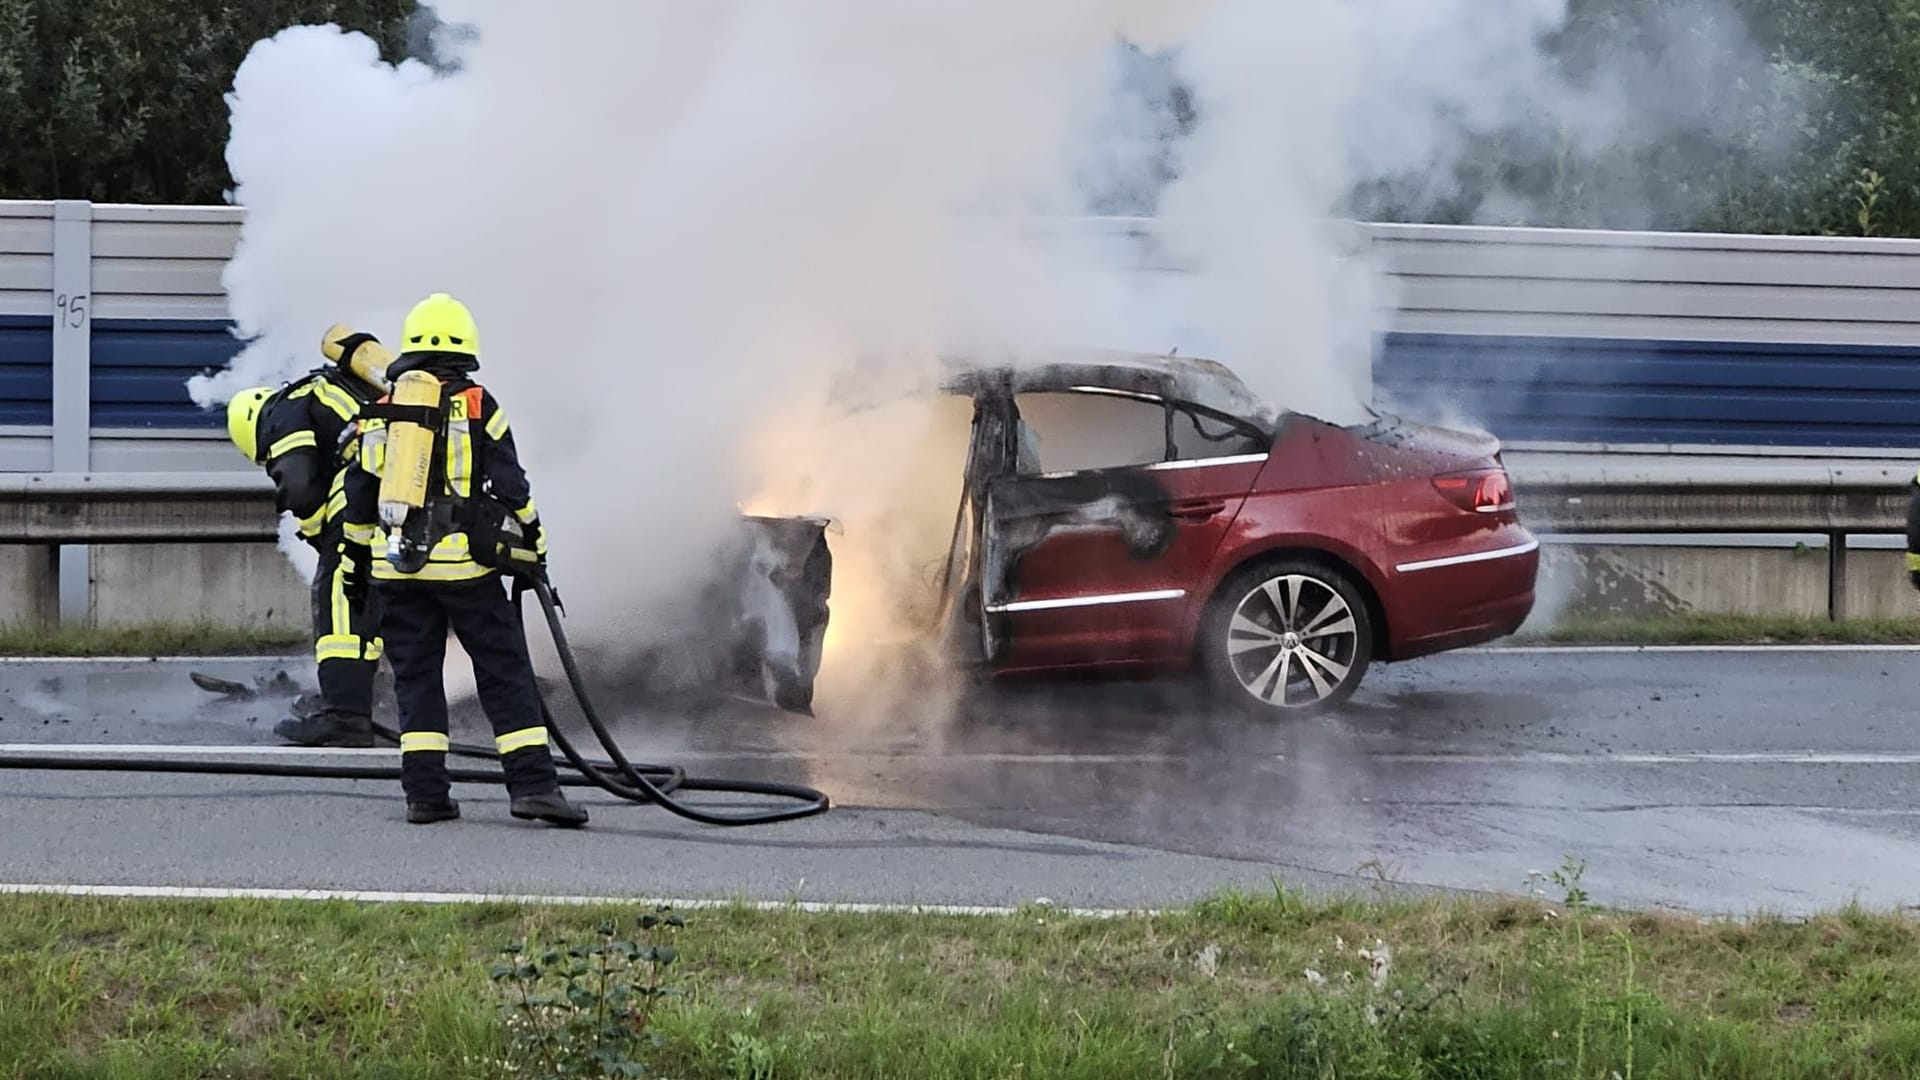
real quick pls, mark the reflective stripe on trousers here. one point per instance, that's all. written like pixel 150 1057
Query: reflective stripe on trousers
pixel 346 646
pixel 412 742
pixel 416 618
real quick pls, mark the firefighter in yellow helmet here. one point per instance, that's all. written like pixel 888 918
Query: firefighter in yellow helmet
pixel 437 502
pixel 297 433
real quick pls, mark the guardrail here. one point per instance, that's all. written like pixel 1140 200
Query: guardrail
pixel 1570 494
pixel 99 508
pixel 1664 495
pixel 1625 493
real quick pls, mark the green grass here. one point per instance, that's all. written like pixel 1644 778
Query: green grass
pixel 1724 629
pixel 1475 988
pixel 174 640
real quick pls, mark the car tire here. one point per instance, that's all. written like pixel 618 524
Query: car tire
pixel 1286 637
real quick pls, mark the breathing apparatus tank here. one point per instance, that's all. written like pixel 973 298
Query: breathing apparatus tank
pixel 408 476
pixel 359 353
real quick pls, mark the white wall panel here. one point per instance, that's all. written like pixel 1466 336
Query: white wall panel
pixel 26 258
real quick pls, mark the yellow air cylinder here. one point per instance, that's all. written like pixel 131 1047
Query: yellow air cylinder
pixel 403 485
pixel 369 361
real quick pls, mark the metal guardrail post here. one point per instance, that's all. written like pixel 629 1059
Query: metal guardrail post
pixel 1837 576
pixel 72 386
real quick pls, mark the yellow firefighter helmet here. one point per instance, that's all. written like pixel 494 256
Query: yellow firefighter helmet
pixel 441 324
pixel 243 419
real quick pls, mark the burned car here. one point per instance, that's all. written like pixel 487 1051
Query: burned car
pixel 1149 515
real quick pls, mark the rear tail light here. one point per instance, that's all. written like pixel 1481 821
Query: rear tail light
pixel 1483 491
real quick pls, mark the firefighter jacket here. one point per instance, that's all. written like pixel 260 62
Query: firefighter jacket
pixel 476 465
pixel 303 431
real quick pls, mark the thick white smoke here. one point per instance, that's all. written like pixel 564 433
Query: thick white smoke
pixel 675 222
pixel 667 226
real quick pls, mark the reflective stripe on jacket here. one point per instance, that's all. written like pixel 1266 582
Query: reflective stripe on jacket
pixel 314 415
pixel 477 444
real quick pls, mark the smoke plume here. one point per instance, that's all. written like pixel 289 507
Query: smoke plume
pixel 681 226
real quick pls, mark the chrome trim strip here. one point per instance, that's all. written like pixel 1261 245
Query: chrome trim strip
pixel 1109 391
pixel 1462 560
pixel 1158 466
pixel 1202 463
pixel 1086 601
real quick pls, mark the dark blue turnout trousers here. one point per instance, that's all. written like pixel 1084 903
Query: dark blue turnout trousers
pixel 415 618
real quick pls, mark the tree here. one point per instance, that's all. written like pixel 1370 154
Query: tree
pixel 1782 116
pixel 123 100
pixel 1795 116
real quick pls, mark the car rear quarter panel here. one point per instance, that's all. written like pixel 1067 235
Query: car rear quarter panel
pixel 1375 509
pixel 1312 497
pixel 1465 604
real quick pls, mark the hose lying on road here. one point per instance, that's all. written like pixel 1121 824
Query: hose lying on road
pixel 619 777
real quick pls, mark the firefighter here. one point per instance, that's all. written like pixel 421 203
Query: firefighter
pixel 297 433
pixel 435 486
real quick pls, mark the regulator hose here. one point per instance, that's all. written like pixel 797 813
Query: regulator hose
pixel 618 777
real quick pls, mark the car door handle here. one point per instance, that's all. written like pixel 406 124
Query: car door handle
pixel 1198 509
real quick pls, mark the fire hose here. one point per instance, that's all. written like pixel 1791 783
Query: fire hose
pixel 624 779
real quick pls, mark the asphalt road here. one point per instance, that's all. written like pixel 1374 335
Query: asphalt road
pixel 1712 781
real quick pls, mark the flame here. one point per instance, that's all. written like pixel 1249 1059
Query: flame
pixel 888 478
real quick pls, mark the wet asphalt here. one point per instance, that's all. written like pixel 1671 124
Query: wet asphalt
pixel 1715 781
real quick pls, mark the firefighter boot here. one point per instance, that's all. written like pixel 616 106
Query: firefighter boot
pixel 330 727
pixel 426 813
pixel 552 808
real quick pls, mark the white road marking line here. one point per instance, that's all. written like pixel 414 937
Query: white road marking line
pixel 825 753
pixel 1642 808
pixel 1482 650
pixel 163 750
pixel 186 892
pixel 1701 758
pixel 1512 650
pixel 1850 811
pixel 265 658
pixel 830 754
pixel 1777 757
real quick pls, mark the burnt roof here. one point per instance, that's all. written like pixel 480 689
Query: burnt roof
pixel 1200 381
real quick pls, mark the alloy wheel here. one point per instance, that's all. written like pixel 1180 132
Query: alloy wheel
pixel 1292 641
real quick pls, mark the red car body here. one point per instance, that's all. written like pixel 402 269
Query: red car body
pixel 1439 576
pixel 1420 518
pixel 1146 514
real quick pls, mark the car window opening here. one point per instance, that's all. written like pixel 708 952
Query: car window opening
pixel 1073 431
pixel 1088 429
pixel 1197 435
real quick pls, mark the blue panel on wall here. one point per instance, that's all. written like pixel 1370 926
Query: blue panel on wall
pixel 26 370
pixel 1625 391
pixel 1521 388
pixel 141 368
